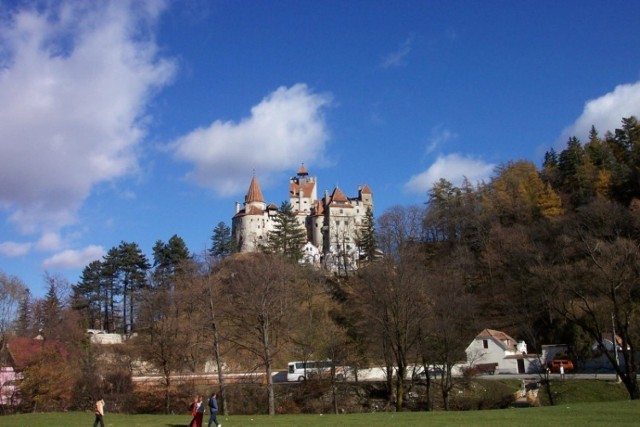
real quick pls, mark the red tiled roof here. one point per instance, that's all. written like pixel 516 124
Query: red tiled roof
pixel 338 196
pixel 365 189
pixel 251 210
pixel 294 189
pixel 254 194
pixel 499 336
pixel 302 170
pixel 25 351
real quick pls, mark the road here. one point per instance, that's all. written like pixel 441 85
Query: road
pixel 581 376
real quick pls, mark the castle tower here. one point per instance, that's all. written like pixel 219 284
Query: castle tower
pixel 252 224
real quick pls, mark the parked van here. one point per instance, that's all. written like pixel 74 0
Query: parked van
pixel 554 365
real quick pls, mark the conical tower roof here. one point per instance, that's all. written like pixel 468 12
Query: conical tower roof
pixel 254 194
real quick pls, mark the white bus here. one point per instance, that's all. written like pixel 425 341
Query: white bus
pixel 300 371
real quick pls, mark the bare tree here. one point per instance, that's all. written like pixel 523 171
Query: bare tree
pixel 452 313
pixel 12 291
pixel 163 337
pixel 390 302
pixel 596 280
pixel 212 287
pixel 260 301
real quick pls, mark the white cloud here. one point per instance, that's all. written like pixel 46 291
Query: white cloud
pixel 13 249
pixel 397 58
pixel 606 112
pixel 74 83
pixel 439 137
pixel 72 258
pixel 453 168
pixel 284 129
pixel 49 242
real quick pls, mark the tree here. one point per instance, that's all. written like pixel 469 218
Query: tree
pixel 88 297
pixel 168 259
pixel 259 305
pixel 48 379
pixel 213 293
pixel 163 332
pixel 597 283
pixel 288 236
pixel 451 308
pixel 519 195
pixel 132 266
pixel 221 241
pixel 12 292
pixel 367 237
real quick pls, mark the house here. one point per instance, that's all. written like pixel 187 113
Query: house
pixel 502 352
pixel 22 353
pixel 9 393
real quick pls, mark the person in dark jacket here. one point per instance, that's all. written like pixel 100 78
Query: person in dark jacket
pixel 213 410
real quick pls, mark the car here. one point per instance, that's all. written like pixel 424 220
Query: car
pixel 554 365
pixel 434 372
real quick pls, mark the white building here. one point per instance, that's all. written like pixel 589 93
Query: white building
pixel 332 223
pixel 508 355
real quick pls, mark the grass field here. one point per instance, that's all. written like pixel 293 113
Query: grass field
pixel 619 413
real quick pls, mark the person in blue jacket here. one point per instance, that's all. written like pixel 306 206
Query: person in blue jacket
pixel 213 410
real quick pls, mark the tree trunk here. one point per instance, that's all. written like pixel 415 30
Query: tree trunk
pixel 167 391
pixel 267 364
pixel 216 354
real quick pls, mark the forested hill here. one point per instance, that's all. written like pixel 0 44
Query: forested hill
pixel 548 255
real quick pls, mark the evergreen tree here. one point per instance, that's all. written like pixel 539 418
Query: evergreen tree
pixel 288 236
pixel 87 296
pixel 168 259
pixel 221 241
pixel 110 288
pixel 367 237
pixel 25 316
pixel 133 266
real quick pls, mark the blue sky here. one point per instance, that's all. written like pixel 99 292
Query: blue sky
pixel 139 120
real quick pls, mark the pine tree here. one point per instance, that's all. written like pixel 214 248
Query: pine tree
pixel 288 236
pixel 168 259
pixel 367 237
pixel 88 297
pixel 133 266
pixel 221 242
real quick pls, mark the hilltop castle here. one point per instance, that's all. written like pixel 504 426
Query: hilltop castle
pixel 331 223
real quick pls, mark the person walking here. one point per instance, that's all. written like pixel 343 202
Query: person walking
pixel 197 411
pixel 213 410
pixel 99 413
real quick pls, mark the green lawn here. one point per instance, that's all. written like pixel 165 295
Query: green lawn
pixel 579 414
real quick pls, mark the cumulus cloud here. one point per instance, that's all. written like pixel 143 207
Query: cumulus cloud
pixel 74 83
pixel 14 249
pixel 606 112
pixel 453 168
pixel 72 258
pixel 284 129
pixel 397 58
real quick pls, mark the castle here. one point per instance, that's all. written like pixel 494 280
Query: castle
pixel 332 223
